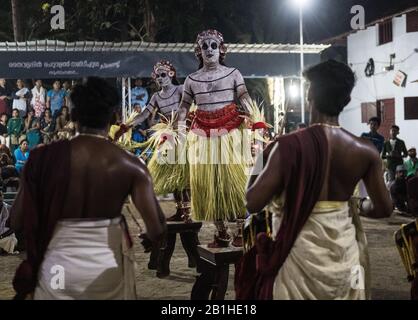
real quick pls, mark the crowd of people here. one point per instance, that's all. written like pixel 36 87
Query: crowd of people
pixel 401 167
pixel 30 117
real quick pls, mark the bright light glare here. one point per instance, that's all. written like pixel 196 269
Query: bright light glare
pixel 301 3
pixel 293 90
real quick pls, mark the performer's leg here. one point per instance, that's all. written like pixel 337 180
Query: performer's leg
pixel 179 206
pixel 186 206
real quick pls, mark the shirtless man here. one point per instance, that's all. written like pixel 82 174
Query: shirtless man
pixel 310 179
pixel 215 88
pixel 73 193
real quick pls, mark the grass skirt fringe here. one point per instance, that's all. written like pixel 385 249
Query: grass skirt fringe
pixel 218 175
pixel 168 165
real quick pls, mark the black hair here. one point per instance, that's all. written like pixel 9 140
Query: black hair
pixel 95 102
pixel 375 119
pixel 302 125
pixel 395 127
pixel 331 85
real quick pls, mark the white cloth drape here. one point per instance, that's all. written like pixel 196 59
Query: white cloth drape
pixel 87 259
pixel 329 259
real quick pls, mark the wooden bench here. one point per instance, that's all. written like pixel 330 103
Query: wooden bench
pixel 214 265
pixel 160 256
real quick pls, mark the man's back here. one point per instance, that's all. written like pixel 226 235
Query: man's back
pixel 101 177
pixel 350 159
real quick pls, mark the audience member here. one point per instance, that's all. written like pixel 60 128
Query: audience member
pixel 377 139
pixel 394 150
pixel 56 99
pixel 398 189
pixel 32 130
pixel 47 127
pixel 4 135
pixel 139 95
pixel 411 165
pixel 8 241
pixel 15 128
pixel 21 155
pixel 64 126
pixel 21 97
pixel 38 101
pixel 4 97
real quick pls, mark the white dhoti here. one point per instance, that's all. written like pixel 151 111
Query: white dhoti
pixel 87 259
pixel 329 259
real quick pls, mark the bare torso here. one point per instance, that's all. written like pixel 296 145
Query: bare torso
pixel 349 159
pixel 214 89
pixel 101 178
pixel 166 103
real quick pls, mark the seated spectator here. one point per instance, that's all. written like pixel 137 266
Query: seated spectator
pixel 15 128
pixel 412 189
pixel 8 241
pixel 398 190
pixel 64 126
pixel 47 124
pixel 32 130
pixel 4 135
pixel 21 155
pixel 8 172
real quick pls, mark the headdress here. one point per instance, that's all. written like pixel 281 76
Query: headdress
pixel 165 65
pixel 210 34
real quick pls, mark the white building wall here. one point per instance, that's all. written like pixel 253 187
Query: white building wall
pixel 362 46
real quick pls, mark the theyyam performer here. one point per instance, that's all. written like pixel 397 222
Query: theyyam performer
pixel 169 176
pixel 218 152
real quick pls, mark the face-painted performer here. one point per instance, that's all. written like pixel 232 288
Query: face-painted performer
pixel 167 177
pixel 217 186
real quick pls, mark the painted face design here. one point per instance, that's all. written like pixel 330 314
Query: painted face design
pixel 210 51
pixel 162 77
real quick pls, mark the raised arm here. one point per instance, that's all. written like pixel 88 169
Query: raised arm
pixel 379 195
pixel 268 183
pixel 186 101
pixel 145 201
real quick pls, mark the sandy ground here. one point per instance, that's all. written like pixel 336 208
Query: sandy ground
pixel 388 274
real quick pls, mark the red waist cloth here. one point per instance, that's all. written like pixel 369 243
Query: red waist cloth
pixel 227 118
pixel 303 162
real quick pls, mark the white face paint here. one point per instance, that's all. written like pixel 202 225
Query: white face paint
pixel 162 77
pixel 210 51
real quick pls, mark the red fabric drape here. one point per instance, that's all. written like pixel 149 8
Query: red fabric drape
pixel 303 161
pixel 227 118
pixel 45 182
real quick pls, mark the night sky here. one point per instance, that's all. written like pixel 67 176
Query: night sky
pixel 323 18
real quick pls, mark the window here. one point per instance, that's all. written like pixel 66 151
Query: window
pixel 368 110
pixel 411 108
pixel 385 32
pixel 412 21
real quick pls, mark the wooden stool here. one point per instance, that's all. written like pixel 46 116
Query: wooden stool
pixel 214 264
pixel 161 256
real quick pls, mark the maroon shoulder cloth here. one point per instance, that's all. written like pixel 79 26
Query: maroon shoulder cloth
pixel 45 182
pixel 303 161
